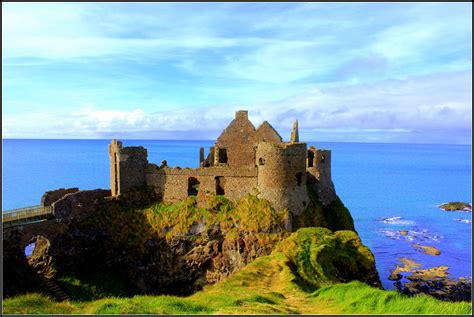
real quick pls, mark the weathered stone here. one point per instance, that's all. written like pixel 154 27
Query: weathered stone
pixel 427 249
pixel 53 195
pixel 77 205
pixel 456 206
pixel 243 160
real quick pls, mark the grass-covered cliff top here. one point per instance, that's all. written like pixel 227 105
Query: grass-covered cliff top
pixel 134 225
pixel 285 282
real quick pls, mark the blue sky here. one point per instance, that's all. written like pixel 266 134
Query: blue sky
pixel 354 72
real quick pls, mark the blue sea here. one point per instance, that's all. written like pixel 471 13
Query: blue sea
pixel 387 188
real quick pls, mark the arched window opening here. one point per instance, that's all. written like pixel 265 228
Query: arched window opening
pixel 261 161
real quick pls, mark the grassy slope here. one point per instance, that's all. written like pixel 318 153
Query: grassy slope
pixel 266 286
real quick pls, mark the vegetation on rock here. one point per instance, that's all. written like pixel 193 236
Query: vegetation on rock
pixel 321 257
pixel 334 216
pixel 269 285
pixel 135 246
pixel 456 206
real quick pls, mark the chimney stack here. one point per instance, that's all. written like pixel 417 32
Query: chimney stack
pixel 294 134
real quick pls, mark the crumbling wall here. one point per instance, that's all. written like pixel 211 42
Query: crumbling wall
pixel 238 140
pixel 282 175
pixel 127 167
pixel 51 196
pixel 266 133
pixel 171 184
pixel 319 174
pixel 78 205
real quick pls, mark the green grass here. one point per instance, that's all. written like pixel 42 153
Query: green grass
pixel 334 216
pixel 95 286
pixel 269 285
pixel 358 298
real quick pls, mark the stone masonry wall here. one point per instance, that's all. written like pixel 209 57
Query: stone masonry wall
pixel 51 196
pixel 238 139
pixel 266 133
pixel 127 167
pixel 320 175
pixel 282 175
pixel 171 184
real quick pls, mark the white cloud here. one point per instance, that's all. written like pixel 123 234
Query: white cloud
pixel 436 102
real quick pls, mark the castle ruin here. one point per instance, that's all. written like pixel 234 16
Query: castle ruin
pixel 243 160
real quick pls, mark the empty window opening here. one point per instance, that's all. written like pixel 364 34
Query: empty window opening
pixel 222 156
pixel 299 177
pixel 115 174
pixel 261 161
pixel 220 183
pixel 193 186
pixel 304 203
pixel 323 157
pixel 310 158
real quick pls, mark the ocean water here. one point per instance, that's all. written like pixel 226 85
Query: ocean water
pixel 387 188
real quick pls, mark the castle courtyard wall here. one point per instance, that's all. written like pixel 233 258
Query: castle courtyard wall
pixel 171 184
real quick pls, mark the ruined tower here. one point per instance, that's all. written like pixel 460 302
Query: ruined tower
pixel 127 167
pixel 242 159
pixel 319 173
pixel 282 175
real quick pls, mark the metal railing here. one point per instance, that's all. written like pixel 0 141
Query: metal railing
pixel 25 215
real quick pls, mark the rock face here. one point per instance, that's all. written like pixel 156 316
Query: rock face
pixel 164 248
pixel 434 281
pixel 456 206
pixel 322 257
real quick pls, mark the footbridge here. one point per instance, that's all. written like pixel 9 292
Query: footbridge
pixel 22 216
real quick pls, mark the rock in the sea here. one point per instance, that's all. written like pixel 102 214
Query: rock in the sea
pixel 456 206
pixel 433 281
pixel 427 249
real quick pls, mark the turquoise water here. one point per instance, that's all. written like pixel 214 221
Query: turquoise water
pixel 387 188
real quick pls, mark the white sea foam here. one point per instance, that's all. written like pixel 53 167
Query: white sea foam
pixel 411 235
pixel 464 220
pixel 397 221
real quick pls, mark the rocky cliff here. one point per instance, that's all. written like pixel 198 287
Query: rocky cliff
pixel 160 248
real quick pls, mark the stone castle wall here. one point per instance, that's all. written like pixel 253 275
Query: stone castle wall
pixel 51 196
pixel 127 167
pixel 173 184
pixel 237 140
pixel 282 175
pixel 243 160
pixel 319 173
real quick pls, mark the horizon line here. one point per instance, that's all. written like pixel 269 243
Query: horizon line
pixel 206 140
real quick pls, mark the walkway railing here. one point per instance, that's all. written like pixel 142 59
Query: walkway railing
pixel 25 215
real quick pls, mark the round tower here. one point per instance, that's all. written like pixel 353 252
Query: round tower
pixel 282 175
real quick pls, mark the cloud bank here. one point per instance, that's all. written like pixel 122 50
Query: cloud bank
pixel 388 72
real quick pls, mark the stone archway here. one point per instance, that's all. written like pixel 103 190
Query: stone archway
pixel 40 259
